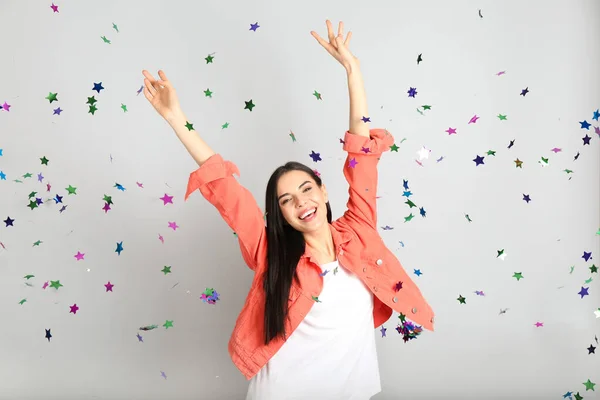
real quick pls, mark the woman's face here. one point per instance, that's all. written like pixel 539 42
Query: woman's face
pixel 298 194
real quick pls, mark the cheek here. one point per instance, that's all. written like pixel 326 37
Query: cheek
pixel 287 213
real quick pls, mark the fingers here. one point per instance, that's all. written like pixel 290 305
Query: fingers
pixel 162 76
pixel 147 95
pixel 347 41
pixel 150 87
pixel 322 42
pixel 148 75
pixel 330 32
pixel 341 29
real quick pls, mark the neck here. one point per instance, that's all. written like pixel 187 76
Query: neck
pixel 321 241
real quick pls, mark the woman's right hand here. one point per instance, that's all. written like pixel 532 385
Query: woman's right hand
pixel 161 94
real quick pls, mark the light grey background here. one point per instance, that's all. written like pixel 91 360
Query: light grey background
pixel 552 47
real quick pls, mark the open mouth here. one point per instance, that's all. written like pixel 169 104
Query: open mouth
pixel 309 215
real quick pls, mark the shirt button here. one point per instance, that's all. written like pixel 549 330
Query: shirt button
pixel 365 269
pixel 432 319
pixel 395 300
pixel 379 262
pixel 375 288
pixel 414 310
pixel 341 252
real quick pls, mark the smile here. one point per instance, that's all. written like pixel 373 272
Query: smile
pixel 309 215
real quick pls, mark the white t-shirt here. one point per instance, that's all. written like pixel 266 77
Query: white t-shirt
pixel 332 353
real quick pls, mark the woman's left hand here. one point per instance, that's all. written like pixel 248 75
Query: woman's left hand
pixel 338 47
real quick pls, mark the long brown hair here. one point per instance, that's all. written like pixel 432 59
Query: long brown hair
pixel 285 246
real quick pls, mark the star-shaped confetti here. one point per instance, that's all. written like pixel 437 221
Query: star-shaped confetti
pixel 119 248
pixel 52 97
pixel 55 284
pixel 589 385
pixel 501 254
pixel 168 324
pixel 315 156
pixel 167 199
pixel 249 105
pixel 478 160
pixel 210 296
pixel 166 269
pixel 98 87
pixel 461 299
pixel 109 286
pixel 412 92
pixel 518 276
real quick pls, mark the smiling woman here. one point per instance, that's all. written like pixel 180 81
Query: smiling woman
pixel 290 333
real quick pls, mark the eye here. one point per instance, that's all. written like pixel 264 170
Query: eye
pixel 307 189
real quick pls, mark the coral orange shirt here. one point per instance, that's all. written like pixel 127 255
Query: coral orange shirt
pixel 357 242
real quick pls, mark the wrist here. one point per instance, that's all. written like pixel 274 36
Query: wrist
pixel 353 68
pixel 176 118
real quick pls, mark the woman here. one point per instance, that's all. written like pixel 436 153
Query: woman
pixel 320 286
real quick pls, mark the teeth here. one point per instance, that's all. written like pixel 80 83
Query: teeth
pixel 306 214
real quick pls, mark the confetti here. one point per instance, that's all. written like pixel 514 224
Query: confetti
pixel 518 276
pixel 210 296
pixel 407 329
pixel 167 199
pixel 589 385
pixel 249 105
pixel 55 284
pixel 148 327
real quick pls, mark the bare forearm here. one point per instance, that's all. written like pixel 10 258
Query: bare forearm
pixel 358 102
pixel 194 144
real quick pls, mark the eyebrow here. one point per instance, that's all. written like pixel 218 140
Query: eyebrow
pixel 299 187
